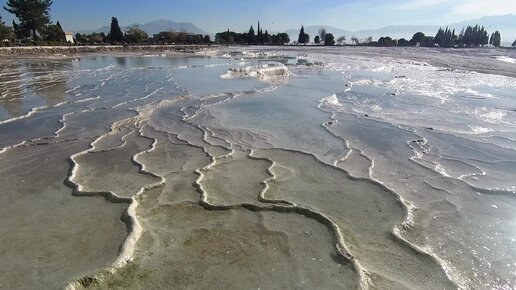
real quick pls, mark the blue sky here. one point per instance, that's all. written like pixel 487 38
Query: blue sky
pixel 275 15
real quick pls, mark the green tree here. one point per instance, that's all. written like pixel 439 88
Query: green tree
pixel 403 42
pixel 303 37
pixel 97 38
pixel 267 37
pixel 63 35
pixel 329 39
pixel 52 32
pixel 484 37
pixel 418 38
pixel 451 38
pixel 280 39
pixel 283 38
pixel 317 39
pixel 80 38
pixel 439 37
pixel 259 34
pixel 251 35
pixel 32 14
pixel 115 33
pixel 496 39
pixel 386 41
pixel 222 37
pixel 134 34
pixel 5 32
pixel 18 32
pixel 446 37
pixel 473 36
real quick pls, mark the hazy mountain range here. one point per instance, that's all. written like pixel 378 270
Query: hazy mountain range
pixel 157 26
pixel 506 24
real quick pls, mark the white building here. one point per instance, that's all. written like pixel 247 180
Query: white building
pixel 69 37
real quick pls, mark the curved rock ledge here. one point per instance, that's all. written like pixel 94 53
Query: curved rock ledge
pixel 130 219
pixel 46 50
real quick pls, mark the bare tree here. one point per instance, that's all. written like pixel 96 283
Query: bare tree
pixel 322 34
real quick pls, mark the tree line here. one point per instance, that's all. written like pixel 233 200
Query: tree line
pixel 252 37
pixel 34 26
pixel 135 35
pixel 471 36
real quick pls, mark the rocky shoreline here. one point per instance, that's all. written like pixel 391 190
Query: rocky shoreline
pixel 48 50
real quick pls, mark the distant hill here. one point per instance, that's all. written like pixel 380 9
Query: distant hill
pixel 397 31
pixel 157 26
pixel 506 24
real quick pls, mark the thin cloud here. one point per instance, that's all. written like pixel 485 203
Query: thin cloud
pixel 419 4
pixel 477 8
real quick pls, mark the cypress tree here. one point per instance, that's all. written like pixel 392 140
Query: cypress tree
pixel 259 34
pixel 439 37
pixel 446 37
pixel 496 38
pixel 267 37
pixel 301 37
pixel 250 35
pixel 115 34
pixel 474 36
pixel 61 31
pixel 484 37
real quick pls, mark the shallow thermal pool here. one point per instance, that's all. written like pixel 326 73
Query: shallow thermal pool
pixel 259 169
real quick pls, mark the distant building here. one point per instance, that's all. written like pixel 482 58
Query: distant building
pixel 69 37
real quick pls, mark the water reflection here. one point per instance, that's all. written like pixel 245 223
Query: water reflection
pixel 11 94
pixel 24 86
pixel 121 61
pixel 50 80
pixel 37 83
pixel 13 102
pixel 140 62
